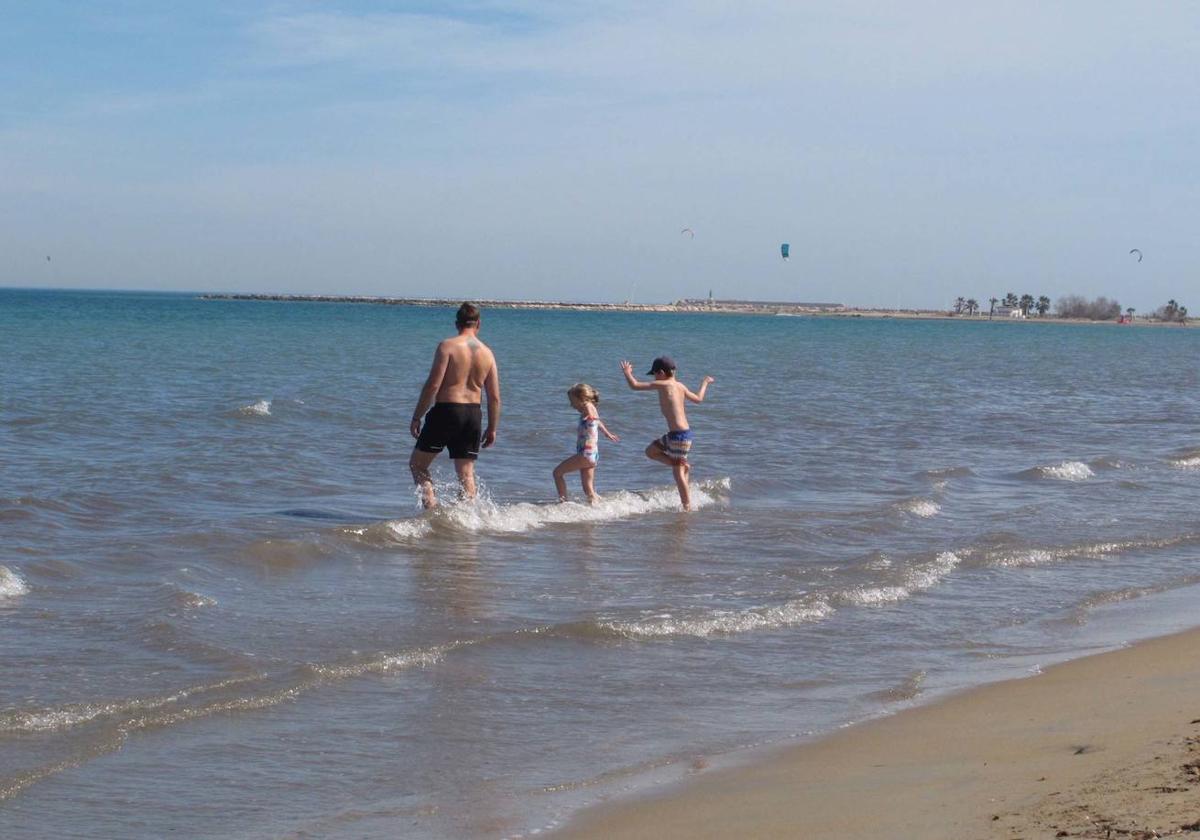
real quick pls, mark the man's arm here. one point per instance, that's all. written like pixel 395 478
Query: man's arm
pixel 432 383
pixel 699 395
pixel 492 386
pixel 627 368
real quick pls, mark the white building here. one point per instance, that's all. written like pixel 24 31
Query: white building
pixel 1008 312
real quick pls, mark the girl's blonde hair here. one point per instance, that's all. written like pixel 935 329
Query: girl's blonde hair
pixel 584 393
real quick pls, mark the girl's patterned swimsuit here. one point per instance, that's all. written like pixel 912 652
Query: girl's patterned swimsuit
pixel 587 438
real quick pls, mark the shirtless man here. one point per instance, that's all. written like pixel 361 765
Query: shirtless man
pixel 673 447
pixel 463 367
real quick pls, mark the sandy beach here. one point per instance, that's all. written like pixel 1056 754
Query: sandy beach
pixel 1104 746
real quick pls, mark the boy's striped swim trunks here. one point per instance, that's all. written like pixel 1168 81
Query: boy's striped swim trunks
pixel 676 445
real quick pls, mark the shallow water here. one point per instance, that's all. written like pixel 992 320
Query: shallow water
pixel 221 613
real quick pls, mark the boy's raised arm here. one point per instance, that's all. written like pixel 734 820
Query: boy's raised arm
pixel 699 395
pixel 627 369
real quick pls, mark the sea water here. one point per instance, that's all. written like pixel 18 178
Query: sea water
pixel 222 613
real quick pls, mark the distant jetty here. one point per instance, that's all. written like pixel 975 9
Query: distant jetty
pixel 746 307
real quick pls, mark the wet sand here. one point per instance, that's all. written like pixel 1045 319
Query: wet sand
pixel 1105 746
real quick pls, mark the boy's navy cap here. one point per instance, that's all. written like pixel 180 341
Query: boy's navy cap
pixel 664 363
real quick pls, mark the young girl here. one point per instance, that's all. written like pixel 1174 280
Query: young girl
pixel 584 399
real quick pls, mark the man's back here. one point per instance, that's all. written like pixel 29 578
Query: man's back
pixel 468 364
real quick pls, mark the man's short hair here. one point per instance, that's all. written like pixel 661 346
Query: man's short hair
pixel 468 315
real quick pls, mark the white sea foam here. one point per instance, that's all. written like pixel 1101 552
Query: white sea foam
pixel 1186 463
pixel 1031 557
pixel 724 622
pixel 917 578
pixel 872 596
pixel 1068 471
pixel 1095 551
pixel 192 600
pixel 385 663
pixel 262 408
pixel 927 575
pixel 924 508
pixel 484 516
pixel 205 700
pixel 11 584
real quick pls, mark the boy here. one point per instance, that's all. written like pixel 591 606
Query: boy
pixel 672 448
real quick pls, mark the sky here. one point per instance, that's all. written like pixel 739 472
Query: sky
pixel 909 153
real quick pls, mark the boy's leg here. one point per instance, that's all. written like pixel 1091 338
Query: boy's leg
pixel 681 469
pixel 465 467
pixel 419 463
pixel 587 478
pixel 655 453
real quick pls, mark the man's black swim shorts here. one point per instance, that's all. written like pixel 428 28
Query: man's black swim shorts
pixel 456 426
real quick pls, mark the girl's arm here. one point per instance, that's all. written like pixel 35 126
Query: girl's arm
pixel 607 433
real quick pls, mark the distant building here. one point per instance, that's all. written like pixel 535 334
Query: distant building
pixel 1008 312
pixel 759 305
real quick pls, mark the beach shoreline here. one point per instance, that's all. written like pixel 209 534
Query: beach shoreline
pixel 1106 745
pixel 695 306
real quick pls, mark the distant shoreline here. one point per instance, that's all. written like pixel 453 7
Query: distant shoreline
pixel 716 307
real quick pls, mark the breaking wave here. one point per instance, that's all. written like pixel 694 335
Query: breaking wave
pixel 1188 459
pixel 907 689
pixel 234 694
pixel 484 516
pixel 915 578
pixel 723 622
pixel 1080 613
pixel 11 584
pixel 924 508
pixel 262 408
pixel 1066 471
pixel 186 600
pixel 1009 557
pixel 948 472
pixel 809 607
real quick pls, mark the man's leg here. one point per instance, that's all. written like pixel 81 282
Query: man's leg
pixel 465 467
pixel 419 462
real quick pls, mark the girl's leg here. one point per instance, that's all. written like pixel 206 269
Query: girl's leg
pixel 575 462
pixel 587 478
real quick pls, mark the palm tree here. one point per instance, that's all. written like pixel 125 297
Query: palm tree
pixel 1043 305
pixel 993 302
pixel 1011 299
pixel 972 306
pixel 1181 314
pixel 959 303
pixel 1026 304
pixel 1129 311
